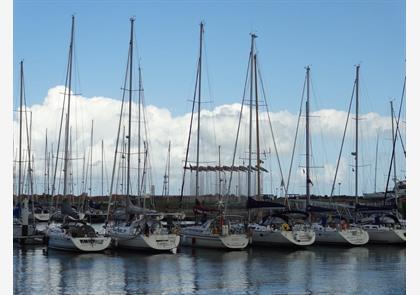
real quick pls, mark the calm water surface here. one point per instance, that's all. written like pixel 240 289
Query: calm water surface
pixel 320 270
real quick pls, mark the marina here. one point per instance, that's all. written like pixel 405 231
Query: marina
pixel 266 186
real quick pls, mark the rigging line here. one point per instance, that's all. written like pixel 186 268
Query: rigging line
pixel 401 140
pixel 317 104
pixel 342 140
pixel 271 126
pixel 393 144
pixel 239 123
pixel 59 132
pixel 295 139
pixel 28 142
pixel 117 141
pixel 189 135
pixel 211 98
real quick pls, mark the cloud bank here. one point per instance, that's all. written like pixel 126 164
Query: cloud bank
pixel 218 127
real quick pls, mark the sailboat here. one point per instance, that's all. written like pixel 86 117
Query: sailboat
pixel 73 234
pixel 143 228
pixel 221 231
pixel 281 227
pixel 23 227
pixel 343 233
pixel 383 223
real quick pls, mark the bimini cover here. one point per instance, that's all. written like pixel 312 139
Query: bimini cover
pixel 252 203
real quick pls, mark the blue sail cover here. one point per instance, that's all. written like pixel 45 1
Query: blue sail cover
pixel 252 203
pixel 16 212
pixel 375 208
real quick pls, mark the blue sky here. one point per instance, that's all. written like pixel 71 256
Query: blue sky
pixel 331 36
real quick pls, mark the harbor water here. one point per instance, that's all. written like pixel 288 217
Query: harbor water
pixel 314 270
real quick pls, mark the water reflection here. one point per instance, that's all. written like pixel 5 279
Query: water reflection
pixel 325 270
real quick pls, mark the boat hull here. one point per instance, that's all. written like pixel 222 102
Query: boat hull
pixel 63 242
pixel 349 237
pixel 387 236
pixel 153 242
pixel 232 241
pixel 281 238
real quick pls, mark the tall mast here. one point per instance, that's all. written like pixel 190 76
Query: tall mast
pixel 257 130
pixel 220 180
pixel 46 161
pixel 129 106
pixel 139 139
pixel 20 130
pixel 91 162
pixel 393 134
pixel 308 179
pixel 356 156
pixel 68 89
pixel 167 172
pixel 199 110
pixel 376 159
pixel 253 36
pixel 102 167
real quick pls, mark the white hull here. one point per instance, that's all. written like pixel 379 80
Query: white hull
pixel 154 242
pixel 58 239
pixel 208 240
pixel 384 235
pixel 282 237
pixel 43 217
pixel 347 237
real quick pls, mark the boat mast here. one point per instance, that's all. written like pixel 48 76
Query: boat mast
pixel 199 110
pixel 68 89
pixel 253 36
pixel 308 179
pixel 165 190
pixel 20 130
pixel 257 130
pixel 376 159
pixel 393 134
pixel 356 156
pixel 46 162
pixel 130 90
pixel 139 139
pixel 220 180
pixel 102 167
pixel 91 162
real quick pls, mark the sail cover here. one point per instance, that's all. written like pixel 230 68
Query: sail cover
pixel 66 209
pixel 252 203
pixel 375 208
pixel 133 209
pixel 320 209
pixel 200 209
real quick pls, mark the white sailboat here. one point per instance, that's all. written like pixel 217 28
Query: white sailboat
pixel 385 226
pixel 220 232
pixel 281 229
pixel 142 229
pixel 341 233
pixel 73 234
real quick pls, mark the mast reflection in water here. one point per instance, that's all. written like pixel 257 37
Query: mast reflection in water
pixel 322 270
